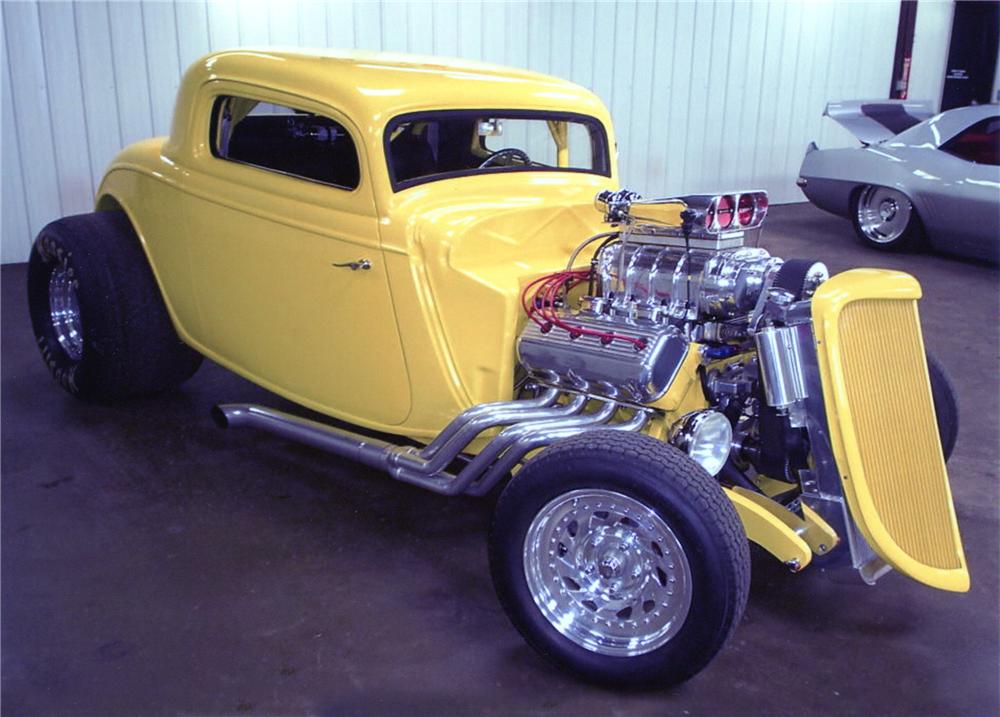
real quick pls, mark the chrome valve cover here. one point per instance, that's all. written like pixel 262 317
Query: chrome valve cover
pixel 586 363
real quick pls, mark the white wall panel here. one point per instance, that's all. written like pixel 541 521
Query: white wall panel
pixel 30 104
pixel 159 33
pixel 395 27
pixel 931 40
pixel 704 95
pixel 131 71
pixel 65 101
pixel 421 28
pixel 223 25
pixel 14 210
pixel 340 25
pixel 312 24
pixel 97 84
pixel 367 18
pixel 445 27
pixel 191 24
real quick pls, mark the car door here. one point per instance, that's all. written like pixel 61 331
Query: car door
pixel 284 252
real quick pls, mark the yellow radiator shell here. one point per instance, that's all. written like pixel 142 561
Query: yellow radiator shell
pixel 882 423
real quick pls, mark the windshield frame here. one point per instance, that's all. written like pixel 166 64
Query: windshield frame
pixel 599 142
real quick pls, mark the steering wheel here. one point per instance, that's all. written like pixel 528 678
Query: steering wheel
pixel 508 152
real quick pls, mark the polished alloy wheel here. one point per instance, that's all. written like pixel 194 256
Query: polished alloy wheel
pixel 883 214
pixel 64 311
pixel 607 572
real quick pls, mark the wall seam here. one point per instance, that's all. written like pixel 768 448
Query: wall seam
pixel 149 80
pixel 17 134
pixel 114 75
pixel 177 41
pixel 763 64
pixel 48 108
pixel 83 109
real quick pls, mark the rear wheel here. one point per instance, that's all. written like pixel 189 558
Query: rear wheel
pixel 885 219
pixel 97 313
pixel 619 558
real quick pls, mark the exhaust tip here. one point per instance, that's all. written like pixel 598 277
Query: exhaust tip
pixel 219 417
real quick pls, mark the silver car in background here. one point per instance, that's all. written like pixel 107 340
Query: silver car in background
pixel 914 178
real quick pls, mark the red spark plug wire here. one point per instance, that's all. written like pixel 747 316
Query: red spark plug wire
pixel 539 303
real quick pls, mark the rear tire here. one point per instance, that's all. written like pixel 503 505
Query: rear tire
pixel 670 584
pixel 97 313
pixel 885 219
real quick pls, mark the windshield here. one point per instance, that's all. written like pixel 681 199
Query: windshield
pixel 427 146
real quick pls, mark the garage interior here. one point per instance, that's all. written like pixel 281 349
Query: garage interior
pixel 153 564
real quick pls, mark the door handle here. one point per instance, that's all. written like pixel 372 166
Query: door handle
pixel 362 264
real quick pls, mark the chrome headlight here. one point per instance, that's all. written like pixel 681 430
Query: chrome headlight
pixel 706 436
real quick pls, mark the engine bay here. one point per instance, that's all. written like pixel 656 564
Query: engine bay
pixel 669 273
pixel 673 276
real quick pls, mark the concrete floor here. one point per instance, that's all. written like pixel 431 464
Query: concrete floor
pixel 153 564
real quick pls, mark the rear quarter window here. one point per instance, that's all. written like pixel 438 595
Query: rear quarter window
pixel 979 143
pixel 284 140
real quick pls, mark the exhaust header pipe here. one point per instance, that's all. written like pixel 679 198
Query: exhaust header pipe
pixel 531 423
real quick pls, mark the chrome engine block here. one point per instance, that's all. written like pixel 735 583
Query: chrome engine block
pixel 640 372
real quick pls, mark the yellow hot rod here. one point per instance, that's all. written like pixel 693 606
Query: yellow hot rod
pixel 440 250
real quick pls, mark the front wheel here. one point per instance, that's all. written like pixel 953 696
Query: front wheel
pixel 619 558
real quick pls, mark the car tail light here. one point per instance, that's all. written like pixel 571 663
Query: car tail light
pixel 724 211
pixel 745 208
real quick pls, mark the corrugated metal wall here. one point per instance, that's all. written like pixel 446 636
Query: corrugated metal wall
pixel 931 39
pixel 703 95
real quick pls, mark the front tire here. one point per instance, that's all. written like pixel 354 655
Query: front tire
pixel 97 313
pixel 885 219
pixel 619 558
pixel 945 405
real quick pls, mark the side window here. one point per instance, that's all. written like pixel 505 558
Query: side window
pixel 284 140
pixel 979 143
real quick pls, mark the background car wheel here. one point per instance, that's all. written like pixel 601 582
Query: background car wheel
pixel 945 405
pixel 618 557
pixel 885 219
pixel 97 313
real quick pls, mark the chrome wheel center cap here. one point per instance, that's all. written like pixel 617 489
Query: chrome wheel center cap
pixel 883 214
pixel 614 559
pixel 612 564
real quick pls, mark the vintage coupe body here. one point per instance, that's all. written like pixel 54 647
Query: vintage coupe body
pixel 916 179
pixel 413 245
